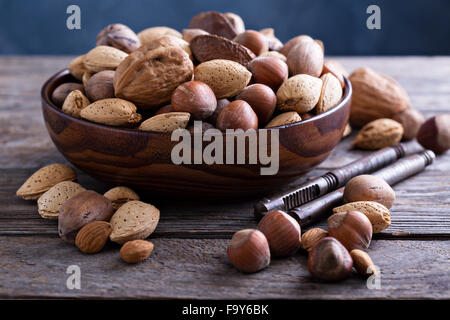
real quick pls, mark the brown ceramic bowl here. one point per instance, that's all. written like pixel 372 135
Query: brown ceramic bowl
pixel 142 160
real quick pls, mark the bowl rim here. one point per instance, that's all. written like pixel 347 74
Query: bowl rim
pixel 65 72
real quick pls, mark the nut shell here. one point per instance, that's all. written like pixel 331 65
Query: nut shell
pixel 306 57
pixel 189 34
pixel 52 200
pixel 100 86
pixel 262 99
pixel 148 77
pixel 93 236
pixel 253 40
pixel 136 251
pixel 81 209
pixel 284 118
pixel 329 260
pixel 378 134
pixel 336 69
pixel 379 215
pixel 236 21
pixel 434 134
pixel 369 188
pixel 237 115
pixel 282 232
pixel 249 251
pixel 61 92
pixel 299 93
pixel 214 23
pixel 166 122
pixel 194 97
pixel 270 71
pixel 118 36
pixel 363 263
pixel 411 121
pixel 353 229
pixel 331 93
pixel 74 103
pixel 170 41
pixel 293 42
pixel 113 112
pixel 311 237
pixel 226 78
pixel 103 58
pixel 120 195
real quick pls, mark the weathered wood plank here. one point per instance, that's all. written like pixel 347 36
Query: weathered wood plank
pixel 199 269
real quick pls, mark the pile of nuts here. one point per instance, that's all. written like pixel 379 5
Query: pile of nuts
pixel 215 71
pixel 88 218
pixel 332 252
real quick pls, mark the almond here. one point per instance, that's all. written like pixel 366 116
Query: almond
pixel 226 78
pixel 284 118
pixel 77 68
pixel 45 178
pixel 311 237
pixel 306 57
pixel 52 200
pixel 120 195
pixel 148 77
pixel 299 93
pixel 103 58
pixel 331 93
pixel 136 251
pixel 378 214
pixel 148 35
pixel 375 96
pixel 363 263
pixel 134 220
pixel 379 134
pixel 166 122
pixel 74 103
pixel 93 236
pixel 211 47
pixel 113 112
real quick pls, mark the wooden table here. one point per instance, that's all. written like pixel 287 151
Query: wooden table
pixel 189 260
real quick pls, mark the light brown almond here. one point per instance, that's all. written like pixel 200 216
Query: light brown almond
pixel 103 58
pixel 93 236
pixel 379 134
pixel 148 35
pixel 113 112
pixel 77 68
pixel 378 214
pixel 74 103
pixel 311 237
pixel 136 251
pixel 166 122
pixel 363 263
pixel 299 93
pixel 45 178
pixel 284 118
pixel 134 220
pixel 53 199
pixel 120 195
pixel 331 93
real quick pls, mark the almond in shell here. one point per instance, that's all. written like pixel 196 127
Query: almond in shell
pixel 132 221
pixel 120 195
pixel 74 103
pixel 93 236
pixel 113 112
pixel 166 122
pixel 148 35
pixel 52 200
pixel 311 237
pixel 103 58
pixel 136 251
pixel 378 214
pixel 45 178
pixel 331 93
pixel 306 57
pixel 77 68
pixel 299 93
pixel 284 118
pixel 225 77
pixel 379 134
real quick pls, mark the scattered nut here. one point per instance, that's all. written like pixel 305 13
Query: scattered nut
pixel 136 251
pixel 120 195
pixel 93 236
pixel 53 199
pixel 353 229
pixel 166 122
pixel 379 215
pixel 363 263
pixel 369 188
pixel 378 134
pixel 434 134
pixel 411 120
pixel 311 237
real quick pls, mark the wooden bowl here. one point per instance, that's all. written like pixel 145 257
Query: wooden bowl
pixel 142 160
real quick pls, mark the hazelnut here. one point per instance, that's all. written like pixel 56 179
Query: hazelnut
pixel 270 71
pixel 306 57
pixel 237 115
pixel 299 93
pixel 411 120
pixel 311 237
pixel 62 91
pixel 118 36
pixel 282 232
pixel 369 188
pixel 292 42
pixel 166 109
pixel 100 86
pixel 221 103
pixel 434 134
pixel 249 251
pixel 329 260
pixel 236 21
pixel 189 34
pixel 336 69
pixel 262 99
pixel 253 40
pixel 353 229
pixel 194 97
pixel 363 263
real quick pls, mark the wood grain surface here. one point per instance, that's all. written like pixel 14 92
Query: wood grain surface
pixel 189 259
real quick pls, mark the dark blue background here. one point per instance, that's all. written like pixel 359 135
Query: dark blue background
pixel 408 27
